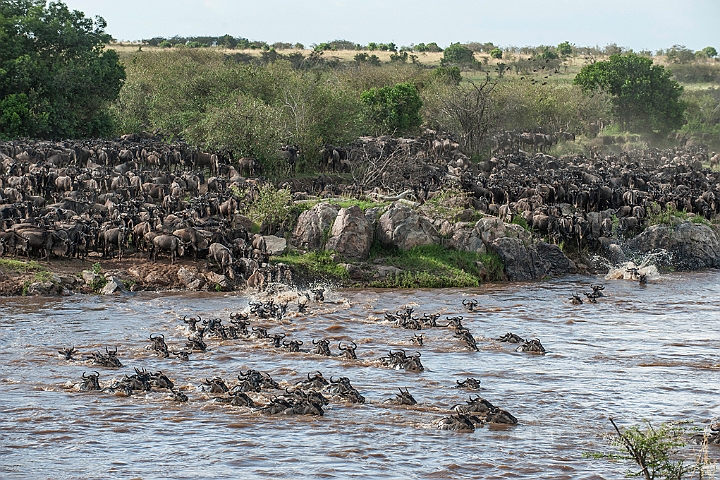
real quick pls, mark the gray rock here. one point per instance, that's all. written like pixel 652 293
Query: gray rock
pixel 492 228
pixel 531 262
pixel 372 215
pixel 113 285
pixel 385 271
pixel 157 279
pixel 69 280
pixel 312 225
pixel 196 284
pixel 187 275
pixel 560 264
pixel 404 228
pixel 275 245
pixel 89 277
pixel 692 245
pixel 39 288
pixel 466 238
pixel 351 235
pixel 216 279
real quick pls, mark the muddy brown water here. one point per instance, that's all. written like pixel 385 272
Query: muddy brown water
pixel 640 353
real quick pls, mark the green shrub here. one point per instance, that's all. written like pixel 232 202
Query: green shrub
pixel 270 205
pixel 655 450
pixel 393 109
pixel 457 54
pixel 519 220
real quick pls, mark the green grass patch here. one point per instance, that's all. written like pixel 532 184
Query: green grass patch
pixel 314 264
pixel 362 204
pixel 494 266
pixel 656 215
pixel 429 266
pixel 519 220
pixel 20 266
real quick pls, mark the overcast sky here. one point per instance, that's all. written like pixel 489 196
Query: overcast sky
pixel 636 24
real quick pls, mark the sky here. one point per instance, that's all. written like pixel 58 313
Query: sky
pixel 636 24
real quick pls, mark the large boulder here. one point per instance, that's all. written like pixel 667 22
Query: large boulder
pixel 312 225
pixel 404 228
pixel 491 228
pixel 275 245
pixel 464 237
pixel 531 261
pixel 351 235
pixel 692 246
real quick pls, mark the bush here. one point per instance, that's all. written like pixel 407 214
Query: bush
pixel 654 450
pixel 457 54
pixel 270 205
pixel 565 48
pixel 448 75
pixel 496 53
pixel 393 109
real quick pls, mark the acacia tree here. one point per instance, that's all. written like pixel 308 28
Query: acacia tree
pixel 644 96
pixel 56 79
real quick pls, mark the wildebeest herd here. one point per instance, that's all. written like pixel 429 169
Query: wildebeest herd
pixel 257 392
pixel 67 199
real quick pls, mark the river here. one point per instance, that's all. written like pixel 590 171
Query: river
pixel 642 352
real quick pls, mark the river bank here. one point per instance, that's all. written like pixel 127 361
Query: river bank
pixel 683 245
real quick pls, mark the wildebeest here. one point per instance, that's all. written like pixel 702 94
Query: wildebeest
pixel 222 256
pixel 169 243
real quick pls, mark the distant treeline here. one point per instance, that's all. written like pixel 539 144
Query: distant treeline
pixel 677 54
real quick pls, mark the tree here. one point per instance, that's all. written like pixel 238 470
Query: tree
pixel 496 53
pixel 709 51
pixel 457 54
pixel 393 109
pixel 644 96
pixel 680 54
pixel 655 449
pixel 565 48
pixel 467 108
pixel 56 79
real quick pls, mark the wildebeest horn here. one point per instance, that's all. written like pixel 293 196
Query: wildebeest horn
pixel 314 342
pixel 340 346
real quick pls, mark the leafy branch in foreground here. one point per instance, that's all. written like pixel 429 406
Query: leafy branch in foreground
pixel 656 450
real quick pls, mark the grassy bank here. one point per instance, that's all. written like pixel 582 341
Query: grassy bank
pixel 429 266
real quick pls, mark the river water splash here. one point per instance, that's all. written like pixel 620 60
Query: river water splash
pixel 641 352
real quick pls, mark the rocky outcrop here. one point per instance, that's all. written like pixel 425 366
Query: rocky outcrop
pixel 530 261
pixel 402 227
pixel 312 226
pixel 351 235
pixel 692 246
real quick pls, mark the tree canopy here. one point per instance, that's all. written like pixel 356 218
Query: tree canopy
pixel 644 96
pixel 393 109
pixel 56 78
pixel 458 54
